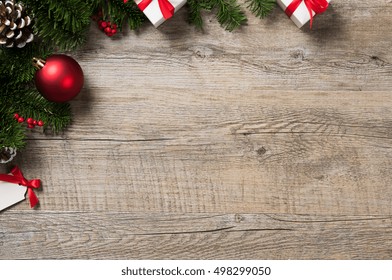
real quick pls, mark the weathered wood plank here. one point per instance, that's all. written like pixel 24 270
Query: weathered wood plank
pixel 276 152
pixel 224 113
pixel 218 125
pixel 111 235
pixel 348 49
pixel 333 177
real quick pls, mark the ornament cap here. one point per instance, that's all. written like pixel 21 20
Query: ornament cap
pixel 38 63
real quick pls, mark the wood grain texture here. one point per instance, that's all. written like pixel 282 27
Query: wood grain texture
pixel 269 142
pixel 199 236
pixel 261 152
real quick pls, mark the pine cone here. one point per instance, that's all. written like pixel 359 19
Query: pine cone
pixel 15 25
pixel 7 154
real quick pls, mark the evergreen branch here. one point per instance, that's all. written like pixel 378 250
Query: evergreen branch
pixel 261 8
pixel 12 133
pixel 119 12
pixel 54 115
pixel 29 103
pixel 194 13
pixel 130 11
pixel 60 23
pixel 230 15
pixel 15 64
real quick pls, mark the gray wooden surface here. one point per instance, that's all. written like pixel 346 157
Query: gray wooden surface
pixel 270 142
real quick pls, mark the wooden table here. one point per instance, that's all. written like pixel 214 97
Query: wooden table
pixel 270 142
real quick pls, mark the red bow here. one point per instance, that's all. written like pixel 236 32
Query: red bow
pixel 166 7
pixel 18 178
pixel 318 6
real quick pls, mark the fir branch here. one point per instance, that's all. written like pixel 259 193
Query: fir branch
pixel 60 23
pixel 194 13
pixel 135 17
pixel 15 63
pixel 230 15
pixel 55 115
pixel 12 133
pixel 261 8
pixel 119 12
pixel 29 103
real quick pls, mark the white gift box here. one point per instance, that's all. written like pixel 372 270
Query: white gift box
pixel 301 14
pixel 154 13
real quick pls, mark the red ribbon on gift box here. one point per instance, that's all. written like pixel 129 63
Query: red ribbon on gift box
pixel 318 6
pixel 18 178
pixel 166 7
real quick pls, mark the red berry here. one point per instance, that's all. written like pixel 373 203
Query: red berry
pixel 108 23
pixel 100 25
pixel 40 123
pixel 30 126
pixel 35 122
pixel 16 116
pixel 108 30
pixel 114 31
pixel 30 121
pixel 20 119
pixel 114 26
pixel 104 24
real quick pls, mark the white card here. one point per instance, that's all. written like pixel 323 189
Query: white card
pixel 11 194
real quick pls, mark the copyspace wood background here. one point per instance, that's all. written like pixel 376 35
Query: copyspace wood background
pixel 269 142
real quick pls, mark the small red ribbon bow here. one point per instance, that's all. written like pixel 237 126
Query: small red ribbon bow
pixel 318 6
pixel 18 178
pixel 166 7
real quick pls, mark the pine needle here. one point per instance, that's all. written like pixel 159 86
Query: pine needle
pixel 261 8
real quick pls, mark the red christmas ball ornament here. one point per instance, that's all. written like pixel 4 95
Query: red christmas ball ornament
pixel 59 78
